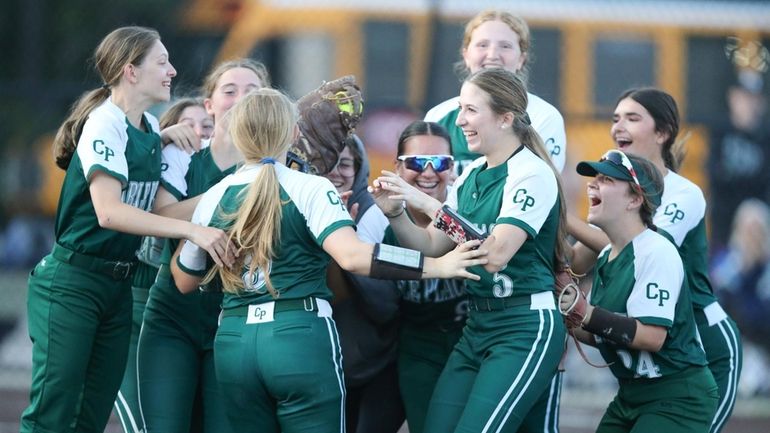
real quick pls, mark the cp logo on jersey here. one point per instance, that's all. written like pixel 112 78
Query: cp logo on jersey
pixel 522 197
pixel 101 149
pixel 653 292
pixel 551 144
pixel 672 211
pixel 335 199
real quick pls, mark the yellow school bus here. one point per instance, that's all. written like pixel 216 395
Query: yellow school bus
pixel 585 54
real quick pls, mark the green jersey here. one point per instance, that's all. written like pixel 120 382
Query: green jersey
pixel 681 215
pixel 186 176
pixel 646 281
pixel 311 211
pixel 111 145
pixel 435 303
pixel 522 192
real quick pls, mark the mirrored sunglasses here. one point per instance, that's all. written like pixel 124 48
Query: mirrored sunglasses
pixel 419 163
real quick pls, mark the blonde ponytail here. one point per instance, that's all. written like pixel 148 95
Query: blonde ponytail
pixel 262 126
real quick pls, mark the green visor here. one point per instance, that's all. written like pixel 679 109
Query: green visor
pixel 617 165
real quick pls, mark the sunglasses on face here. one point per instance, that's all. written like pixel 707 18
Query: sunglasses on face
pixel 620 159
pixel 419 163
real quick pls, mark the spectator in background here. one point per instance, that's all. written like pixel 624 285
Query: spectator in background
pixel 739 158
pixel 741 273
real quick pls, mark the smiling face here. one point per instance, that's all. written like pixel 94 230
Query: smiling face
pixel 493 44
pixel 230 88
pixel 633 130
pixel 481 126
pixel 608 200
pixel 344 173
pixel 154 74
pixel 429 180
pixel 199 120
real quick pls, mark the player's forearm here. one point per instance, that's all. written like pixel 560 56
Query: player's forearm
pixel 593 238
pixel 129 219
pixel 180 210
pixel 184 282
pixel 411 236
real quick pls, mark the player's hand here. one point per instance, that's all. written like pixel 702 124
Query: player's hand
pixel 382 197
pixel 216 243
pixel 400 189
pixel 182 136
pixel 454 264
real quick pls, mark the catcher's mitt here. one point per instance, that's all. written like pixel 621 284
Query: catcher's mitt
pixel 328 117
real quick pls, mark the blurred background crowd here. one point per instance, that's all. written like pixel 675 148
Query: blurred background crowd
pixel 711 55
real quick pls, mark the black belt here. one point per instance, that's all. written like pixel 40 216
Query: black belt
pixel 477 303
pixel 308 304
pixel 116 270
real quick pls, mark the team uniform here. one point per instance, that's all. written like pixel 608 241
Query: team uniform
pixel 433 314
pixel 175 361
pixel 79 302
pixel 278 361
pixel 506 361
pixel 682 216
pixel 670 390
pixel 545 118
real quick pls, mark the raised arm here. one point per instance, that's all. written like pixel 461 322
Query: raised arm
pixel 431 241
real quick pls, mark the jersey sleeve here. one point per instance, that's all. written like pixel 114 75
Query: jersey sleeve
pixel 528 200
pixel 680 214
pixel 102 146
pixel 658 276
pixel 176 163
pixel 549 124
pixel 192 258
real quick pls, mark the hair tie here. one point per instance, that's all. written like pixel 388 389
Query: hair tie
pixel 106 86
pixel 267 161
pixel 525 119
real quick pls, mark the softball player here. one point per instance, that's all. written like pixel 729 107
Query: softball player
pixel 433 312
pixel 646 123
pixel 79 298
pixel 498 39
pixel 506 360
pixel 190 112
pixel 640 314
pixel 367 313
pixel 277 352
pixel 175 356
